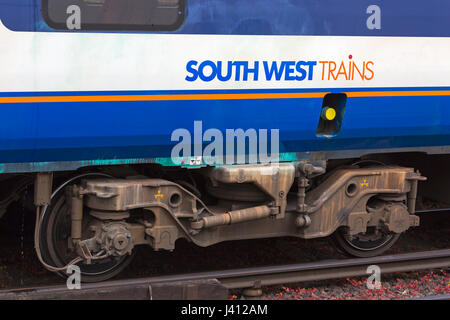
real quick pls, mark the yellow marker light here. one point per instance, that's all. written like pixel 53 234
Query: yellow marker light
pixel 328 113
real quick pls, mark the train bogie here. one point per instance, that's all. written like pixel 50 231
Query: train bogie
pixel 144 122
pixel 104 218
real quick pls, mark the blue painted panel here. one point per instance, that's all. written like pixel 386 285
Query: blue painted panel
pixel 122 130
pixel 281 17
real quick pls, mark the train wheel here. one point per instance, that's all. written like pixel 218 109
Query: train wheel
pixel 372 243
pixel 54 238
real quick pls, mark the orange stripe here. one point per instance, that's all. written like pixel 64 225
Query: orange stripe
pixel 174 97
pixel 397 93
pixel 231 96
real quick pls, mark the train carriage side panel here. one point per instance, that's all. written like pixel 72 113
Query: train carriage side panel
pixel 71 99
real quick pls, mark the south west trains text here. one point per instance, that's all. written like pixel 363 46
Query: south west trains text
pixel 209 70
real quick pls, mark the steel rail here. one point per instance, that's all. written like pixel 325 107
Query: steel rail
pixel 432 210
pixel 334 269
pixel 250 277
pixel 435 297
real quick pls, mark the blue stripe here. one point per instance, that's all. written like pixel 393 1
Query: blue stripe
pixel 124 130
pixel 281 17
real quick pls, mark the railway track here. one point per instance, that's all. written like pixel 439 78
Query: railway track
pixel 214 284
pixel 436 297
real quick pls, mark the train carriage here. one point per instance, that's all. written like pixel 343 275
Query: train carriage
pixel 142 122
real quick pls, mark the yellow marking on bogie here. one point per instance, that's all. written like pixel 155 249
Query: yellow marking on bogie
pixel 159 194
